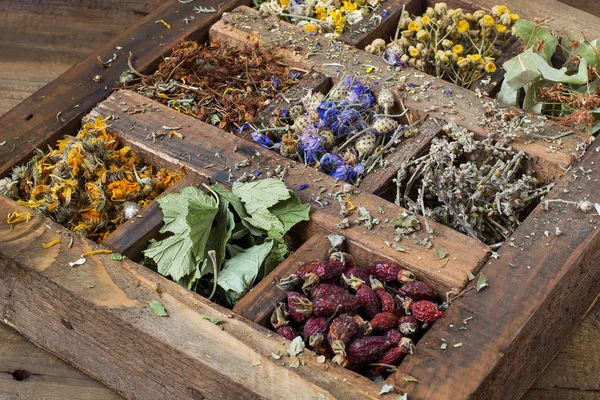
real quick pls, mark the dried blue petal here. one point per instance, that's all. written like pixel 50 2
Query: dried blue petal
pixel 303 186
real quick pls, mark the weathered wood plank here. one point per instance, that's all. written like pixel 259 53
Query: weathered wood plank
pixel 202 141
pixel 97 316
pixel 462 107
pixel 57 108
pixel 528 311
pixel 130 238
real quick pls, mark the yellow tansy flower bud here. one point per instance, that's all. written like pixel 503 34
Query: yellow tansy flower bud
pixel 500 28
pixel 490 67
pixel 414 26
pixel 284 3
pixel 425 20
pixel 487 21
pixel 457 49
pixel 462 62
pixel 311 27
pixel 477 15
pixel 514 17
pixel 413 52
pixel 321 13
pixel 501 10
pixel 474 57
pixel 462 26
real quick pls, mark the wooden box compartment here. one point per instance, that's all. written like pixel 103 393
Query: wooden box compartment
pixel 97 315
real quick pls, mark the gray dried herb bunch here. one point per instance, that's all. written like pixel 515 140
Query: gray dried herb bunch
pixel 479 187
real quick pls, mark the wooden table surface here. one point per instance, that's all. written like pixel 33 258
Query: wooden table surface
pixel 39 41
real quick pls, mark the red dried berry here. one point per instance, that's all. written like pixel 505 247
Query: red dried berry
pixel 325 289
pixel 390 357
pixel 366 349
pixel 307 268
pixel 344 328
pixel 324 271
pixel 367 300
pixel 287 332
pixel 426 311
pixel 299 307
pixel 334 302
pixel 364 328
pixel 279 317
pixel 394 336
pixel 358 273
pixel 383 321
pixel 315 325
pixel 344 258
pixel 386 301
pixel 408 325
pixel 388 271
pixel 405 304
pixel 417 290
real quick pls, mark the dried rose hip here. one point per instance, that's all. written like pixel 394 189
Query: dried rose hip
pixel 364 328
pixel 299 307
pixel 333 302
pixel 408 325
pixel 386 301
pixel 344 328
pixel 324 271
pixel 367 299
pixel 383 321
pixel 405 304
pixel 417 290
pixel 326 288
pixel 354 273
pixel 426 311
pixel 344 258
pixel 315 325
pixel 366 349
pixel 307 268
pixel 394 336
pixel 390 358
pixel 319 344
pixel 287 332
pixel 279 317
pixel 388 271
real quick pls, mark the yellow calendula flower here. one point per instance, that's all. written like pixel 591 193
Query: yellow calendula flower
pixel 321 13
pixel 413 52
pixel 500 28
pixel 422 35
pixel 487 21
pixel 474 57
pixel 462 26
pixel 514 17
pixel 457 49
pixel 348 7
pixel 311 28
pixel 425 20
pixel 414 26
pixel 490 67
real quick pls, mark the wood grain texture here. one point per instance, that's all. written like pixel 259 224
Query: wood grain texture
pixel 51 378
pixel 196 152
pixel 65 310
pixel 463 107
pixel 529 311
pixel 37 122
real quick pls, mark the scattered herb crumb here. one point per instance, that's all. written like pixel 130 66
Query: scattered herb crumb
pixel 158 308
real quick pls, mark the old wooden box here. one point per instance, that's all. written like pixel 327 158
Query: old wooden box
pixel 98 318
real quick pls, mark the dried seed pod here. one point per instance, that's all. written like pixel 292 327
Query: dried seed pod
pixel 327 138
pixel 296 111
pixel 334 302
pixel 391 357
pixel 344 328
pixel 366 349
pixel 9 188
pixel 324 271
pixel 358 273
pixel 388 271
pixel 287 332
pixel 365 145
pixel 383 321
pixel 417 290
pixel 405 304
pixel 289 283
pixel 319 344
pixel 386 301
pixel 426 311
pixel 408 325
pixel 313 100
pixel 386 100
pixel 279 317
pixel 300 124
pixel 385 125
pixel 299 307
pixel 394 336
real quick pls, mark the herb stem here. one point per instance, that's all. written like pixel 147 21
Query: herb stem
pixel 213 258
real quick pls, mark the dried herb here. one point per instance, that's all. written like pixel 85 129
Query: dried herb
pixel 158 308
pixel 89 183
pixel 216 83
pixel 480 188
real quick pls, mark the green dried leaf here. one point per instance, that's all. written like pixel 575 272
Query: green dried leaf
pixel 158 308
pixel 440 254
pixel 261 194
pixel 297 346
pixel 238 206
pixel 558 75
pixel 508 95
pixel 212 319
pixel 535 36
pixel 470 276
pixel 387 388
pixel 481 282
pixel 399 248
pixel 116 257
pixel 290 212
pixel 521 70
pixel 214 119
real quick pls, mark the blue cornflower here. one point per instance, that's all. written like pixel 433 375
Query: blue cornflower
pixel 294 75
pixel 261 139
pixel 330 162
pixel 348 174
pixel 275 81
pixel 390 57
pixel 311 145
pixel 244 126
pixel 284 112
pixel 328 112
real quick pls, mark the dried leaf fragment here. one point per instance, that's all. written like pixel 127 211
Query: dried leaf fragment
pixel 410 378
pixel 386 389
pixel 158 308
pixel 212 319
pixel 81 261
pixel 294 362
pixel 481 282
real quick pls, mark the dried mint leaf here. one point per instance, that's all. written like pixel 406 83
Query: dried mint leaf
pixel 158 308
pixel 481 282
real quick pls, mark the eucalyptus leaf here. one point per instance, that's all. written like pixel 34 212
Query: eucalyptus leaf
pixel 536 37
pixel 508 95
pixel 520 70
pixel 558 75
